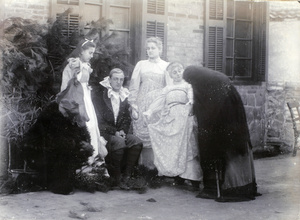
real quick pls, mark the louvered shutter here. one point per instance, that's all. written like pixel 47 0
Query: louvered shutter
pixel 155 29
pixel 154 23
pixel 71 20
pixel 214 35
pixel 260 47
pixel 81 13
pixel 235 39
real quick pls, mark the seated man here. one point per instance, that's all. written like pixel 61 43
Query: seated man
pixel 114 120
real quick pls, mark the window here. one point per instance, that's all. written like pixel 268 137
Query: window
pixel 149 20
pixel 133 20
pixel 82 12
pixel 235 39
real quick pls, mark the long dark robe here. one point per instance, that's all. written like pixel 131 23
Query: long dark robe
pixel 223 135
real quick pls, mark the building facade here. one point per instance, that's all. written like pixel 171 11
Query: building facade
pixel 255 43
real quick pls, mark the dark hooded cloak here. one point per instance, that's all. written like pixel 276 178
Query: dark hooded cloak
pixel 223 133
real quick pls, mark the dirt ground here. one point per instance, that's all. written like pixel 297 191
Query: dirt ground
pixel 278 180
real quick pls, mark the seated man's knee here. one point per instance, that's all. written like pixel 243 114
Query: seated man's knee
pixel 133 141
pixel 117 143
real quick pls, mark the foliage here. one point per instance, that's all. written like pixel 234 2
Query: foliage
pixel 33 58
pixel 110 53
pixel 25 81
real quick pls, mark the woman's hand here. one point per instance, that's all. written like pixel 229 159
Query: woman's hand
pixel 146 117
pixel 74 64
pixel 191 111
pixel 134 112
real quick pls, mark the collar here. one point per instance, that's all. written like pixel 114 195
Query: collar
pixel 156 60
pixel 123 93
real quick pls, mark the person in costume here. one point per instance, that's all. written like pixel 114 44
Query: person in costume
pixel 173 136
pixel 223 136
pixel 114 121
pixel 147 80
pixel 75 89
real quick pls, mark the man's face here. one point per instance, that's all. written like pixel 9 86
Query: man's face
pixel 116 81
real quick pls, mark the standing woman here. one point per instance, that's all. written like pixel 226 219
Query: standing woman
pixel 173 136
pixel 75 89
pixel 147 80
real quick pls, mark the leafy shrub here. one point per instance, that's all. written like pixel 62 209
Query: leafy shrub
pixel 33 58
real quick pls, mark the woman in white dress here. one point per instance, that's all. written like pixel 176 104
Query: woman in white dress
pixel 75 88
pixel 173 136
pixel 147 81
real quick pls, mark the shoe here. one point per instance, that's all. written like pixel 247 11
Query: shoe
pixel 195 184
pixel 124 183
pixel 234 199
pixel 178 181
pixel 204 194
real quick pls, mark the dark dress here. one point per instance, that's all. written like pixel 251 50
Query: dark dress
pixel 223 136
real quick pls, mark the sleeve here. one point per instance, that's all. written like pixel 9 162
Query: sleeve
pixel 66 76
pixel 168 79
pixel 126 119
pixel 73 68
pixel 190 93
pixel 135 84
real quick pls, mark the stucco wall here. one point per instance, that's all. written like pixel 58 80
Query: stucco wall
pixel 283 80
pixel 284 51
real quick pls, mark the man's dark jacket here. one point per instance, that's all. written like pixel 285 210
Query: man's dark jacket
pixel 105 114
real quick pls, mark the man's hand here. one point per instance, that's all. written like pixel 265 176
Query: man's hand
pixel 120 134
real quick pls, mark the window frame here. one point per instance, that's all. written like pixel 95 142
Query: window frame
pixel 215 47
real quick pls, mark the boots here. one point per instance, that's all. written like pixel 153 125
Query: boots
pixel 116 161
pixel 133 155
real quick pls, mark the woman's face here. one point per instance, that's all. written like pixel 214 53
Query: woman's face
pixel 87 55
pixel 176 74
pixel 152 50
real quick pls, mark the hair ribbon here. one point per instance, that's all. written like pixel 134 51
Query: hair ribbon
pixel 86 40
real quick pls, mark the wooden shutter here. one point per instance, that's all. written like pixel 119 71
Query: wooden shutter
pixel 71 23
pixel 215 48
pixel 71 19
pixel 156 7
pixel 215 35
pixel 154 23
pixel 155 29
pixel 259 39
pixel 82 12
pixel 222 37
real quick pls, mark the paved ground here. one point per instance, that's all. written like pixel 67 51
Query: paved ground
pixel 278 180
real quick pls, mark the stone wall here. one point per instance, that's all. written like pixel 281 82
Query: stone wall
pixel 254 101
pixel 28 9
pixel 279 124
pixel 186 31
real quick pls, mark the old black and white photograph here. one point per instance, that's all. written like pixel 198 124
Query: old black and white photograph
pixel 150 109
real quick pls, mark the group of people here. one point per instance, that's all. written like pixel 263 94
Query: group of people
pixel 188 123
